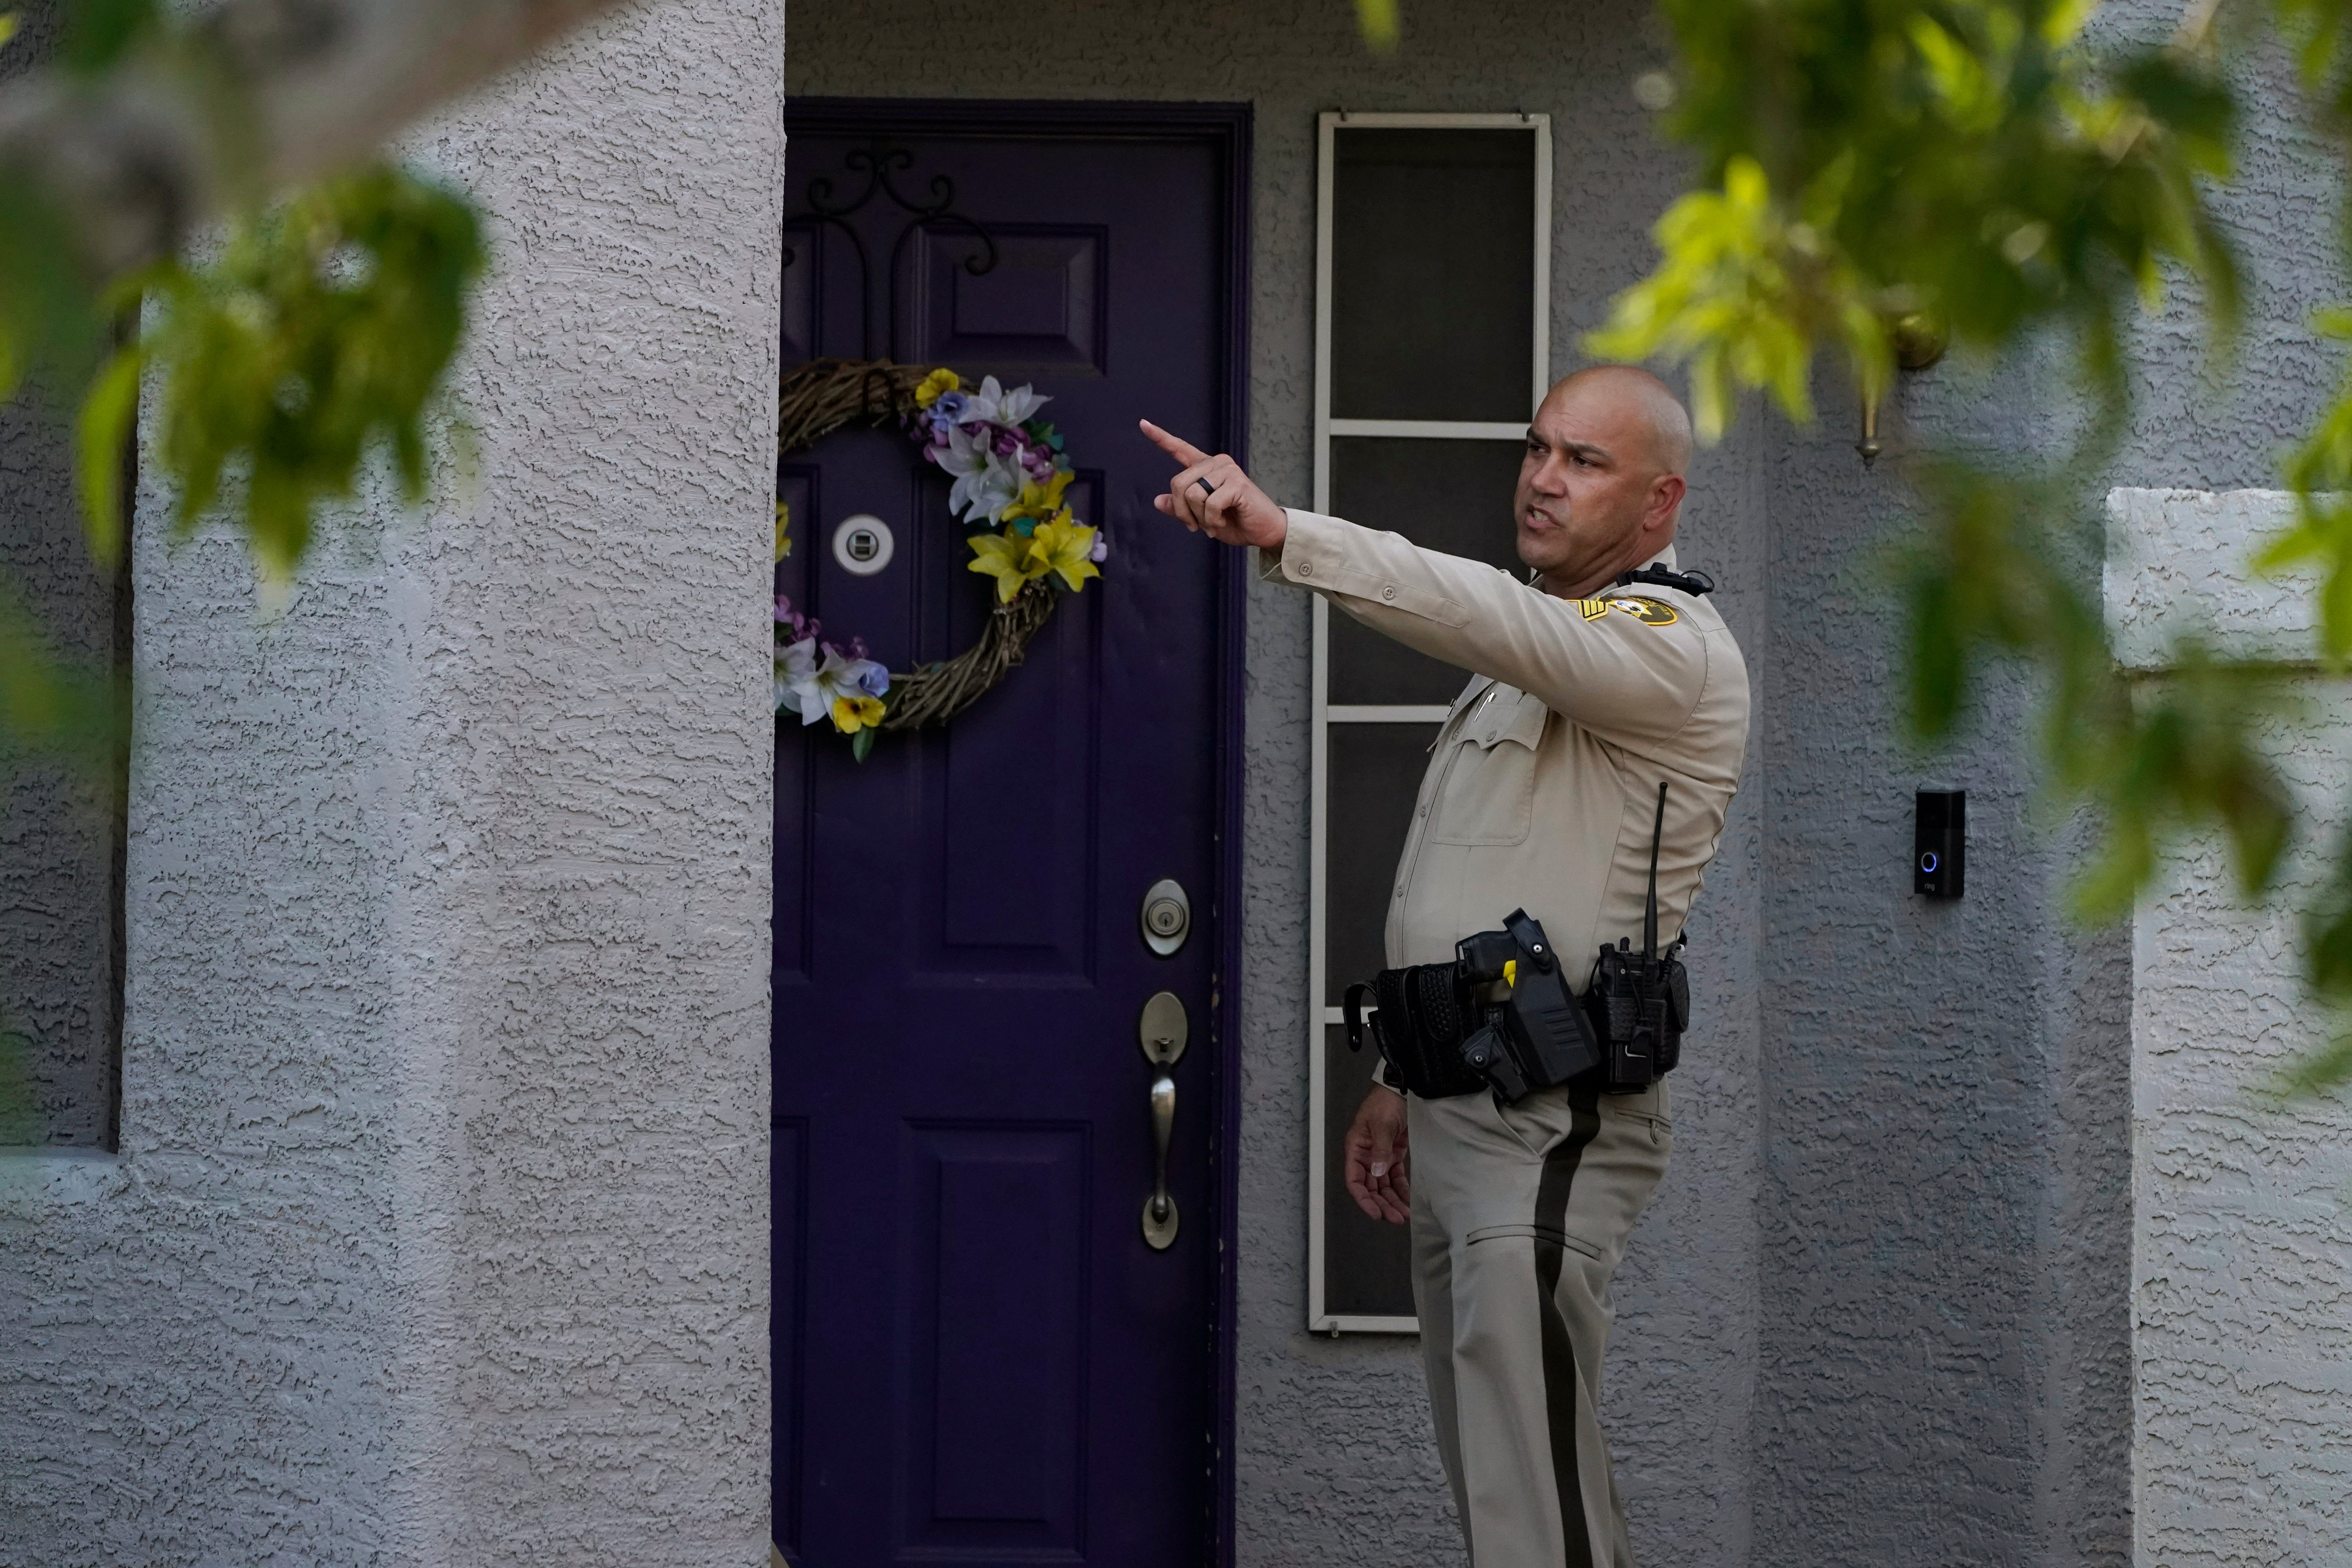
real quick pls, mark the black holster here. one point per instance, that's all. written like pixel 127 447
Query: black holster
pixel 1450 1028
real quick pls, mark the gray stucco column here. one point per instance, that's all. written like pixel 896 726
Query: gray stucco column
pixel 2242 1206
pixel 438 1233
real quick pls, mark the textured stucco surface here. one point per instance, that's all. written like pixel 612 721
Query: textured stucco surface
pixel 2177 567
pixel 1336 1462
pixel 2241 1234
pixel 1908 1109
pixel 60 829
pixel 438 1233
pixel 1946 1370
pixel 1942 1321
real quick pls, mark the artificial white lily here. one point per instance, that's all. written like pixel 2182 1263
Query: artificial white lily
pixel 796 681
pixel 851 675
pixel 985 484
pixel 994 403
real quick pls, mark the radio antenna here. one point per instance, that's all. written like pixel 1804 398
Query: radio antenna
pixel 1650 909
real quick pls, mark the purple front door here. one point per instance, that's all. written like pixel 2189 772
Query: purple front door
pixel 979 1359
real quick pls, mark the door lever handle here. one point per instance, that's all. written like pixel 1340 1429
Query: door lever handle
pixel 1160 1214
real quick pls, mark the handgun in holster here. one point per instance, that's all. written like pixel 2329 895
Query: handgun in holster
pixel 1499 1017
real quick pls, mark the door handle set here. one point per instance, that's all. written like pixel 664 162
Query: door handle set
pixel 1162 1030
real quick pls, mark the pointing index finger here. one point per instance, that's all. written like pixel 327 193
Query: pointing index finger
pixel 1183 451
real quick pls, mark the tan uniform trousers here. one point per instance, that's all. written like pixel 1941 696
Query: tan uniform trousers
pixel 1520 1215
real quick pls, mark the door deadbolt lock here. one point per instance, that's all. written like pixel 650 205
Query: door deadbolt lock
pixel 1166 916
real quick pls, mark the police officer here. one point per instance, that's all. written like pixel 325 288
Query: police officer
pixel 1541 792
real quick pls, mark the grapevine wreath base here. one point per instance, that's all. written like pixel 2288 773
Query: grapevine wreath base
pixel 1011 472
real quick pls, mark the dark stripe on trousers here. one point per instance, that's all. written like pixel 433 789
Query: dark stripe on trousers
pixel 1558 1350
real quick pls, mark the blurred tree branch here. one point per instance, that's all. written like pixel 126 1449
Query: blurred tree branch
pixel 327 320
pixel 1993 165
pixel 148 127
pixel 1985 162
pixel 316 332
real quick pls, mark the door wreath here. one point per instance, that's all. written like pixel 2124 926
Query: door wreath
pixel 1010 472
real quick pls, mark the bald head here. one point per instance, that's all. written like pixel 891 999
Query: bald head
pixel 1665 422
pixel 1601 485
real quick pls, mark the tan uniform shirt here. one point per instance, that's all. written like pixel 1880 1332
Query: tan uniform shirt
pixel 1543 785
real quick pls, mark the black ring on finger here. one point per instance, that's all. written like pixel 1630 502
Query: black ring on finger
pixel 1206 487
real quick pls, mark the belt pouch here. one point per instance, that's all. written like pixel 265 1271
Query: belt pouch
pixel 1420 1025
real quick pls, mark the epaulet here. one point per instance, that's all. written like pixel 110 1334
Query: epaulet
pixel 1691 583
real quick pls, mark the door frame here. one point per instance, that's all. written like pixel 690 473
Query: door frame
pixel 1226 128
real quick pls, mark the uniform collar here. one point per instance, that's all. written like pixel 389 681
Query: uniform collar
pixel 1664 558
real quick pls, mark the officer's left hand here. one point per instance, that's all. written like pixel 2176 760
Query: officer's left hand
pixel 1213 495
pixel 1379 1162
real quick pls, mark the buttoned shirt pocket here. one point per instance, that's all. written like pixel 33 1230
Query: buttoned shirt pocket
pixel 1487 796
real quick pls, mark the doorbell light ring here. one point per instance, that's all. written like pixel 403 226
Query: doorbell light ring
pixel 863 544
pixel 1939 844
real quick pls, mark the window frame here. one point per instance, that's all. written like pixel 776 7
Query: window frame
pixel 1322 712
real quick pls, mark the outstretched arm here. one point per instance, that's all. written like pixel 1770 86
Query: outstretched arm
pixel 1630 670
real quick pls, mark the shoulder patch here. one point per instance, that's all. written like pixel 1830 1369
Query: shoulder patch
pixel 1592 609
pixel 1649 612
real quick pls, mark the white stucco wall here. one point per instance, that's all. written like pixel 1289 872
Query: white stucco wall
pixel 438 1233
pixel 2241 1227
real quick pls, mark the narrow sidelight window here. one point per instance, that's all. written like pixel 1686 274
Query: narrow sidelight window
pixel 1432 325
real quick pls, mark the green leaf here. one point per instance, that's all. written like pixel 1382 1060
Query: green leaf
pixel 2327 939
pixel 109 414
pixel 50 323
pixel 52 708
pixel 318 335
pixel 2190 102
pixel 1938 666
pixel 861 744
pixel 1380 22
pixel 98 33
pixel 2328 1067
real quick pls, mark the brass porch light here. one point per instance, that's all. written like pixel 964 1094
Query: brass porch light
pixel 1919 340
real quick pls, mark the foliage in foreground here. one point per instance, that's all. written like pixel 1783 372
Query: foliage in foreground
pixel 314 332
pixel 320 330
pixel 312 335
pixel 1995 164
pixel 2005 168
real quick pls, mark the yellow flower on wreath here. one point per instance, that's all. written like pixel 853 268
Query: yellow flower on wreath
pixel 1069 549
pixel 1015 560
pixel 851 714
pixel 1042 503
pixel 938 381
pixel 1007 558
